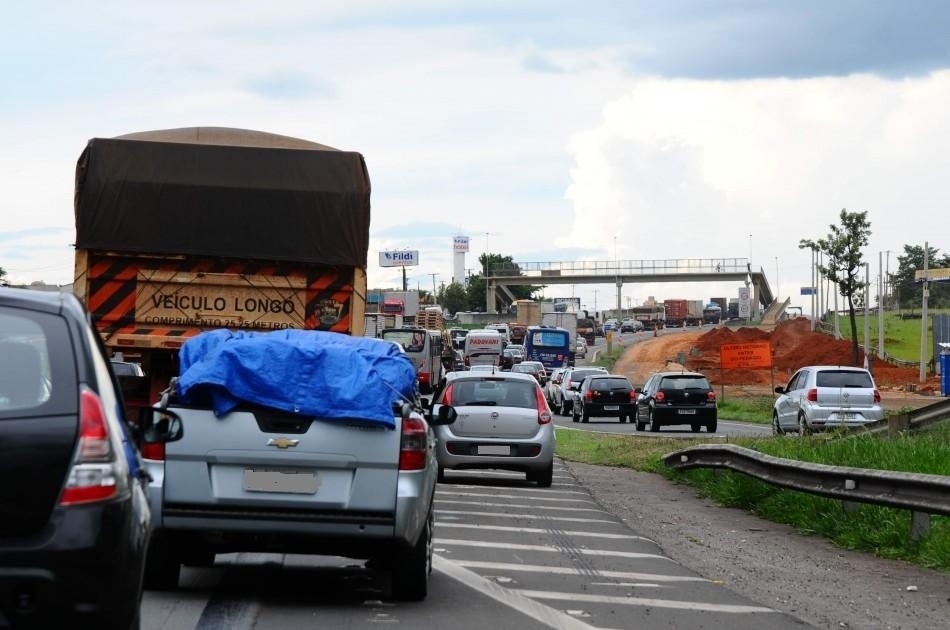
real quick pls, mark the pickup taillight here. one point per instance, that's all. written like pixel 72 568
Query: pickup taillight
pixel 413 444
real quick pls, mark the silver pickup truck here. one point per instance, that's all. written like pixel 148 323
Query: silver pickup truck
pixel 261 479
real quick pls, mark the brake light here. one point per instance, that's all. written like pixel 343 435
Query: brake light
pixel 588 395
pixel 544 413
pixel 447 395
pixel 711 396
pixel 423 378
pixel 467 361
pixel 412 444
pixel 93 475
pixel 633 395
pixel 877 396
pixel 153 450
pixel 660 397
pixel 812 395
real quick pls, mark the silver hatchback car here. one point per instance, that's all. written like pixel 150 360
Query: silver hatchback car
pixel 818 397
pixel 503 422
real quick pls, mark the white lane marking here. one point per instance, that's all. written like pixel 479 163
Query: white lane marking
pixel 544 517
pixel 546 548
pixel 492 472
pixel 538 530
pixel 540 568
pixel 627 584
pixel 526 490
pixel 440 493
pixel 546 615
pixel 521 507
pixel 646 601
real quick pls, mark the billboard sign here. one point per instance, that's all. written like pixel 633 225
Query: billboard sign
pixel 460 244
pixel 932 275
pixel 401 258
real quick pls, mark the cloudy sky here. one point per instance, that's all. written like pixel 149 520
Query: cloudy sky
pixel 547 131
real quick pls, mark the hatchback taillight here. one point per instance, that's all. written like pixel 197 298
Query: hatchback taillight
pixel 877 396
pixel 711 396
pixel 447 395
pixel 660 397
pixel 412 444
pixel 633 395
pixel 93 475
pixel 544 414
pixel 812 395
pixel 588 395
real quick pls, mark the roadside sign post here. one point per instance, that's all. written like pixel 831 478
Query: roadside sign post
pixel 753 354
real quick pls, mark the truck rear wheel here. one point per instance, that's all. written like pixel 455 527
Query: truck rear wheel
pixel 412 566
pixel 162 566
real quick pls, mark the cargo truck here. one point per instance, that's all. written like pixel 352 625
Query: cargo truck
pixel 405 303
pixel 180 231
pixel 567 321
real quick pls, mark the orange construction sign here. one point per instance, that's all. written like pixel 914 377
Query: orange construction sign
pixel 754 354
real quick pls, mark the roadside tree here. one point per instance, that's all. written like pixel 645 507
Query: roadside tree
pixel 906 291
pixel 843 261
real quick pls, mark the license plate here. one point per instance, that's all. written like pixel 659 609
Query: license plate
pixel 291 482
pixel 611 407
pixel 686 412
pixel 492 449
pixel 846 415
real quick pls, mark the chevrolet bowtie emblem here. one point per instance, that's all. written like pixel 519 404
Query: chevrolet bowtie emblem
pixel 282 442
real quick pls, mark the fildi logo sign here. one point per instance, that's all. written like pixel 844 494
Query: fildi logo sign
pixel 400 258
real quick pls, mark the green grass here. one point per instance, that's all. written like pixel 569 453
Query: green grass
pixel 608 359
pixel 880 530
pixel 757 410
pixel 901 336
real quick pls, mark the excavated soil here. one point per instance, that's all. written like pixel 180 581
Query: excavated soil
pixel 793 343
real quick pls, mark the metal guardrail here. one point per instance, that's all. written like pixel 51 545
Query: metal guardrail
pixel 922 494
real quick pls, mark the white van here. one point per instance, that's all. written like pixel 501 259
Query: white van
pixel 483 347
pixel 503 329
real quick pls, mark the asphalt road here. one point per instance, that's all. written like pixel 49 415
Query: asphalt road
pixel 508 555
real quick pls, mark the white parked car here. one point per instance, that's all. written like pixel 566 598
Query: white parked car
pixel 818 397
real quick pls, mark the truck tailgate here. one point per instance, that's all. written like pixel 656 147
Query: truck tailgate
pixel 262 458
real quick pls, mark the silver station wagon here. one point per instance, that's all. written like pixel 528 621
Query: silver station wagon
pixel 818 397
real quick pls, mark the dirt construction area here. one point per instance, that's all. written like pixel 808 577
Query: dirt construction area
pixel 793 344
pixel 824 586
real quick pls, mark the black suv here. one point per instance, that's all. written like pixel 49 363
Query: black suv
pixel 671 398
pixel 602 395
pixel 74 516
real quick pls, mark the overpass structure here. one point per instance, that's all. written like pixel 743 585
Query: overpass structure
pixel 620 272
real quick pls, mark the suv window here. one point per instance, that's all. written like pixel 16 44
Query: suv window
pixel 579 375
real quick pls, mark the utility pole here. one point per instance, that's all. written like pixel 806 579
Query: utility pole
pixel 923 317
pixel 867 313
pixel 434 301
pixel 880 305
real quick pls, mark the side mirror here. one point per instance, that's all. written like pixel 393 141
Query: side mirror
pixel 442 415
pixel 638 390
pixel 161 425
pixel 779 390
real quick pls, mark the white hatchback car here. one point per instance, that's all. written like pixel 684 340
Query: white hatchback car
pixel 818 397
pixel 503 422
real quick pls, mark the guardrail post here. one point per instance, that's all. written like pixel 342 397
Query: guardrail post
pixel 919 525
pixel 896 423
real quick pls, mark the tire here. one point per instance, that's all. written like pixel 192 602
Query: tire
pixel 545 477
pixel 561 408
pixel 711 426
pixel 162 566
pixel 441 474
pixel 412 566
pixel 623 419
pixel 776 427
pixel 654 425
pixel 641 426
pixel 803 429
pixel 574 417
pixel 695 427
pixel 585 417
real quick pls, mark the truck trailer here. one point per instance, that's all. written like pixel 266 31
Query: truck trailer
pixel 180 231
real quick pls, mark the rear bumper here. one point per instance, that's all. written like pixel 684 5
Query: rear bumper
pixel 670 416
pixel 534 453
pixel 600 410
pixel 83 570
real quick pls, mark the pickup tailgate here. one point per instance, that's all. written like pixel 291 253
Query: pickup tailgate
pixel 279 465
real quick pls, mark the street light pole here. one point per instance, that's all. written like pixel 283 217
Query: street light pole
pixel 777 283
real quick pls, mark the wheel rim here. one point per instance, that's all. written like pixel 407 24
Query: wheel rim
pixel 776 429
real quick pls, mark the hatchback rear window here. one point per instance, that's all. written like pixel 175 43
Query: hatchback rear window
pixel 609 384
pixel 579 375
pixel 494 392
pixel 684 382
pixel 26 379
pixel 843 378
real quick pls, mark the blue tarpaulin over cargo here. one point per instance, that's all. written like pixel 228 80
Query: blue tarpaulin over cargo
pixel 313 373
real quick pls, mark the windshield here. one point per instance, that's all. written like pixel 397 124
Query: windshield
pixel 494 392
pixel 411 340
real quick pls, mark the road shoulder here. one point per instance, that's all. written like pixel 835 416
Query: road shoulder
pixel 768 562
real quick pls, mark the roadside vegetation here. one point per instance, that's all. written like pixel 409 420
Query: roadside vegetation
pixel 901 336
pixel 757 409
pixel 869 528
